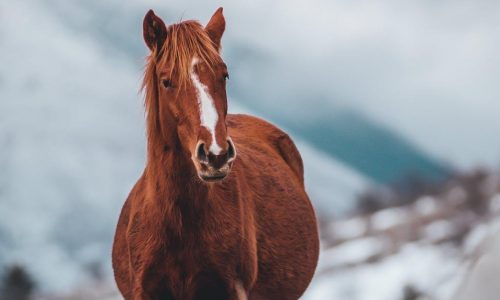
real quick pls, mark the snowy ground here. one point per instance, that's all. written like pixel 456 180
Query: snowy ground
pixel 437 247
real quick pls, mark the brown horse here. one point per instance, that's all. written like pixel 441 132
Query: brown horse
pixel 220 211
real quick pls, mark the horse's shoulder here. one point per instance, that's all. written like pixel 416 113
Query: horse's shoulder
pixel 132 205
pixel 136 194
pixel 243 127
pixel 132 199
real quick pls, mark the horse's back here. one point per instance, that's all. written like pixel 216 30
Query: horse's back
pixel 287 239
pixel 249 129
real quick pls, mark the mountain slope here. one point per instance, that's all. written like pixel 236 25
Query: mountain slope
pixel 369 148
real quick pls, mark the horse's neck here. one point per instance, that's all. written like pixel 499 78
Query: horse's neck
pixel 173 188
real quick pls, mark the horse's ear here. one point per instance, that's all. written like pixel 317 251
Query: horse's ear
pixel 215 27
pixel 154 31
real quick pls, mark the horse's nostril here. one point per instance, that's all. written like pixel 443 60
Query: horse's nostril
pixel 231 152
pixel 201 154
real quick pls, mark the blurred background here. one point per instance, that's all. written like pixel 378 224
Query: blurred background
pixel 393 104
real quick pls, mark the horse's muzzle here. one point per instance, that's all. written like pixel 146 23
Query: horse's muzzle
pixel 213 167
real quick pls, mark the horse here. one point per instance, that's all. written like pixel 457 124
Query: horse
pixel 220 211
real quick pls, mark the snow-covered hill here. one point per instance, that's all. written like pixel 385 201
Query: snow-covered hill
pixel 440 246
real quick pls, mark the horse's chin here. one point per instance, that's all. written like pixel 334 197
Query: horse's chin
pixel 214 175
pixel 212 178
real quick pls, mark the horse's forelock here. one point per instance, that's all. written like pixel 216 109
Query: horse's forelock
pixel 185 41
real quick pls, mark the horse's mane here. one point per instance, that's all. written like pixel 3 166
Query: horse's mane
pixel 184 41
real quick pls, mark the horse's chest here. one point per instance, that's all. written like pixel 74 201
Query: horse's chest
pixel 203 249
pixel 200 264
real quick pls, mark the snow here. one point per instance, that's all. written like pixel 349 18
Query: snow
pixel 352 252
pixel 475 238
pixel 482 282
pixel 437 246
pixel 426 205
pixel 348 228
pixel 384 280
pixel 388 218
pixel 439 230
pixel 495 204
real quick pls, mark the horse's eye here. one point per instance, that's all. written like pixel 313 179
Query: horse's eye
pixel 226 76
pixel 166 83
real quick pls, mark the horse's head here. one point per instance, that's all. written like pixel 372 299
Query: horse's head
pixel 186 83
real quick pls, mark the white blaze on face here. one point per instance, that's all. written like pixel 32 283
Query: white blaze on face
pixel 240 291
pixel 208 113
